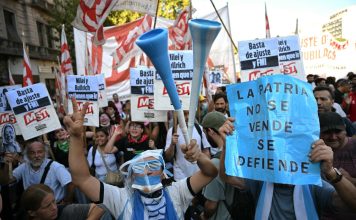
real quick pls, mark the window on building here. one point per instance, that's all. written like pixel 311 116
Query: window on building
pixel 49 33
pixel 11 26
pixel 50 84
pixel 41 33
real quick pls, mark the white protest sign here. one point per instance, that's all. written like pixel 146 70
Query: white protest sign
pixel 181 62
pixel 290 60
pixel 258 58
pixel 85 88
pixel 6 114
pixel 33 110
pixel 103 99
pixel 142 99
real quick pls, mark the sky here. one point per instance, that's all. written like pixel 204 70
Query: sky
pixel 248 21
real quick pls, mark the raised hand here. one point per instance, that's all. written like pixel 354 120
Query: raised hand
pixel 322 153
pixel 227 128
pixel 74 122
pixel 192 151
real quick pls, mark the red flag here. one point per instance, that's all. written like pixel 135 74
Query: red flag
pixel 91 15
pixel 268 33
pixel 11 80
pixel 27 72
pixel 66 62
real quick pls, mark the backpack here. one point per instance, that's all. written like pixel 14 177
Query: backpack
pixel 92 167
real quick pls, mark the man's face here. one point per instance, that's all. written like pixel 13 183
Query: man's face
pixel 135 130
pixel 9 135
pixel 334 138
pixel 36 154
pixel 220 105
pixel 324 101
pixel 115 97
pixel 310 79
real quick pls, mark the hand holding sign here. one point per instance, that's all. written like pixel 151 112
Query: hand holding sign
pixel 74 122
pixel 227 128
pixel 322 153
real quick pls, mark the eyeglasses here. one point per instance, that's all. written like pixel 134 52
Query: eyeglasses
pixel 151 165
pixel 135 126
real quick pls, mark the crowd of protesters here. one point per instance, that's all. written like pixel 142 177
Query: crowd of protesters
pixel 127 169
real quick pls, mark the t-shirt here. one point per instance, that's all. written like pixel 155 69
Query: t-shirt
pixel 282 206
pixel 218 191
pixel 132 148
pixel 181 167
pixel 57 177
pixel 118 200
pixel 100 169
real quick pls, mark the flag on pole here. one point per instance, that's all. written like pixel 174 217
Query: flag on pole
pixel 27 72
pixel 91 15
pixel 11 80
pixel 66 62
pixel 268 33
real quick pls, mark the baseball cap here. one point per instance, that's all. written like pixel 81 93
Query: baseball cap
pixel 201 98
pixel 331 121
pixel 213 120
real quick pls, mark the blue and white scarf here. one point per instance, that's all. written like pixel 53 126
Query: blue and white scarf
pixel 304 208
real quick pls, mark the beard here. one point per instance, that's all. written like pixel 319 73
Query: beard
pixel 222 110
pixel 36 163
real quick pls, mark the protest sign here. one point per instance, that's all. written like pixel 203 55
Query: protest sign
pixel 85 89
pixel 6 114
pixel 142 99
pixel 33 110
pixel 258 58
pixel 181 62
pixel 276 124
pixel 290 60
pixel 103 99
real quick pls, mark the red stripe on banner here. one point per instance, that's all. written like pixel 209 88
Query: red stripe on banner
pixel 118 77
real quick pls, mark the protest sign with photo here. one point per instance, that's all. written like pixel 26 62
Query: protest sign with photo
pixel 258 58
pixel 277 122
pixel 181 62
pixel 85 89
pixel 103 99
pixel 6 114
pixel 142 98
pixel 33 110
pixel 290 60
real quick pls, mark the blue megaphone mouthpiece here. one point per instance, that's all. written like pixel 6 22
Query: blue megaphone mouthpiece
pixel 155 45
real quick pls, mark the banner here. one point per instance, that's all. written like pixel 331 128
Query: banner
pixel 258 58
pixel 33 110
pixel 103 99
pixel 142 99
pixel 290 60
pixel 277 122
pixel 181 62
pixel 326 56
pixel 85 88
pixel 6 114
pixel 221 56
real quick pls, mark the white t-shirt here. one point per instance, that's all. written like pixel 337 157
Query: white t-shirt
pixel 57 177
pixel 117 199
pixel 181 167
pixel 100 169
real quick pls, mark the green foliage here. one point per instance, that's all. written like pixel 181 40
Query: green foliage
pixel 64 12
pixel 169 9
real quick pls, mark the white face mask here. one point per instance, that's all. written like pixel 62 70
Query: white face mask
pixel 204 105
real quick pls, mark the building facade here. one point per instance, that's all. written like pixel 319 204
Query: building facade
pixel 28 21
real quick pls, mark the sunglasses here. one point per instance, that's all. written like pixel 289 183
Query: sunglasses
pixel 151 165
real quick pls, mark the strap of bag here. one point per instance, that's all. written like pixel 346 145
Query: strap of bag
pixel 200 132
pixel 93 152
pixel 44 175
pixel 102 157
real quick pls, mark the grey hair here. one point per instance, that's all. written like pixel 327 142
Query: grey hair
pixel 29 143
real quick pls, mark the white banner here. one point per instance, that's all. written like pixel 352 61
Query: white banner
pixel 6 114
pixel 290 57
pixel 103 99
pixel 258 58
pixel 33 110
pixel 181 62
pixel 85 88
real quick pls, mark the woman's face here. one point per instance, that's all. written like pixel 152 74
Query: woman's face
pixel 101 138
pixel 135 130
pixel 110 111
pixel 48 209
pixel 61 134
pixel 9 135
pixel 104 119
